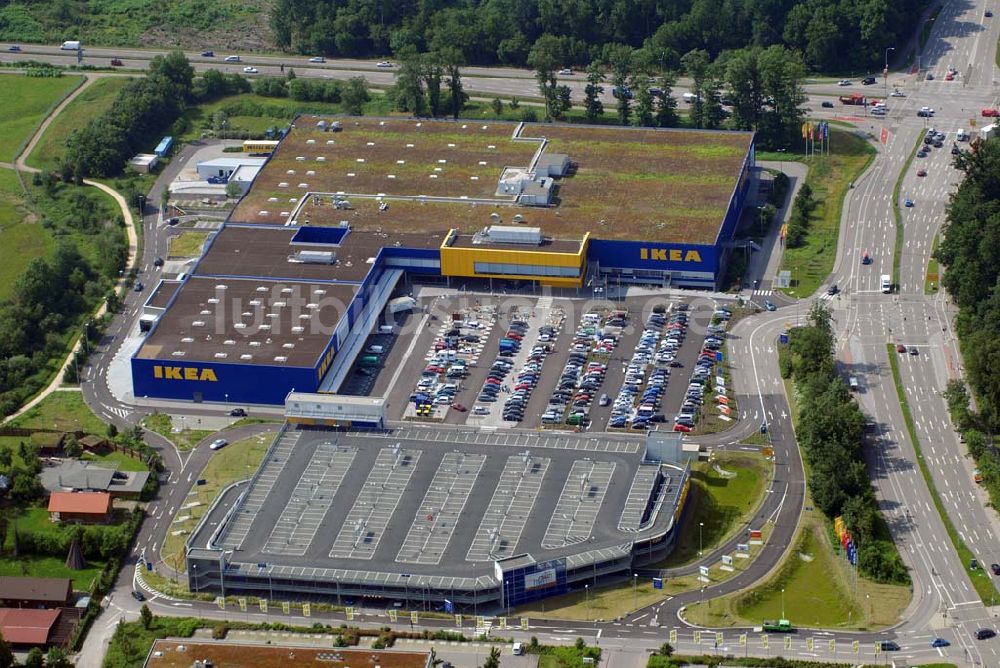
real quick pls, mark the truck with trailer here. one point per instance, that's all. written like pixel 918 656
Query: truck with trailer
pixel 854 98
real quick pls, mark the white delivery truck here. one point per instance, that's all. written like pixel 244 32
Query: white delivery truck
pixel 689 97
pixel 962 135
pixel 988 132
pixel 401 304
pixel 70 45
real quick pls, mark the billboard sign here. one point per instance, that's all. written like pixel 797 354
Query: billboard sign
pixel 540 580
pixel 650 255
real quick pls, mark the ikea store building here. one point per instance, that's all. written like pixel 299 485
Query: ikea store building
pixel 285 294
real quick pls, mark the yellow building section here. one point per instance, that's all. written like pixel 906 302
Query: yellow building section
pixel 555 263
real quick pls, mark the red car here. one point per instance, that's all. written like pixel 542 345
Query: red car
pixel 989 112
pixel 900 348
pixel 921 172
pixel 459 407
pixel 682 427
pixel 949 77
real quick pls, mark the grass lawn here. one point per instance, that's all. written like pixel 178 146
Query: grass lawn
pixel 933 279
pixel 721 503
pixel 183 438
pixel 829 177
pixel 234 462
pixel 186 244
pixel 89 104
pixel 115 460
pixel 29 100
pixel 52 567
pixel 63 410
pixel 18 229
pixel 980 577
pixel 817 593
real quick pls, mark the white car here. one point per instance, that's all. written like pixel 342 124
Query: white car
pixel 232 59
pixel 317 59
pixel 250 70
pixel 897 93
pixel 383 64
pixel 927 110
pixel 565 71
pixel 844 82
pixel 218 444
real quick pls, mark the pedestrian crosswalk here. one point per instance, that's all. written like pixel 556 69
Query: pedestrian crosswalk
pixel 119 411
pixel 826 296
pixel 762 293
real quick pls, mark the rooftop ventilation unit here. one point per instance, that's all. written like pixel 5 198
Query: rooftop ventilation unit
pixel 313 257
pixel 506 234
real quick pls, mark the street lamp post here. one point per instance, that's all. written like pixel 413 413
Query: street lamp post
pixel 782 602
pixel 586 588
pixel 885 72
pixel 635 590
pixel 700 544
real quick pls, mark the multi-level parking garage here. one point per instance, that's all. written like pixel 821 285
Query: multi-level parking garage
pixel 426 516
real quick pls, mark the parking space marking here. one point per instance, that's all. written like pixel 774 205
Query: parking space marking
pixel 365 524
pixel 311 499
pixel 260 486
pixel 579 503
pixel 506 516
pixel 638 497
pixel 445 498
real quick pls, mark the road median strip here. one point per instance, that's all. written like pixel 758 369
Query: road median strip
pixel 980 580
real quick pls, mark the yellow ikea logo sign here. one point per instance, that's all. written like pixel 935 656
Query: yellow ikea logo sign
pixel 671 254
pixel 184 373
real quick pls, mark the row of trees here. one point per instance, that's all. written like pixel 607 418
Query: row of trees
pixel 831 433
pixel 353 93
pixel 762 86
pixel 832 35
pixel 429 84
pixel 141 110
pixel 969 248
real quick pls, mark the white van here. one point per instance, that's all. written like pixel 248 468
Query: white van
pixel 689 97
pixel 962 135
pixel 70 45
pixel 886 284
pixel 517 649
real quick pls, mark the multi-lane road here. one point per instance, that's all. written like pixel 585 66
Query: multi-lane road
pixel 945 603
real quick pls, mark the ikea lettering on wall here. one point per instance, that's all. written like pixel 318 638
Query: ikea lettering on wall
pixel 669 254
pixel 184 373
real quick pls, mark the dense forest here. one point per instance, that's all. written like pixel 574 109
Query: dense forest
pixel 832 35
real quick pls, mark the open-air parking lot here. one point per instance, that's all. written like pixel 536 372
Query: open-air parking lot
pixel 511 361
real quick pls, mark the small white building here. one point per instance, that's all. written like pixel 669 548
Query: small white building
pixel 223 168
pixel 144 163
